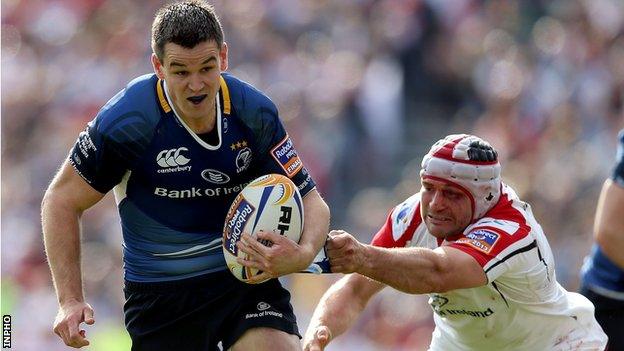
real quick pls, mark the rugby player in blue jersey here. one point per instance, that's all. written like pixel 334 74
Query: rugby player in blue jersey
pixel 176 147
pixel 603 271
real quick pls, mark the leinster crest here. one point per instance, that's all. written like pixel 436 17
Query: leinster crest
pixel 243 159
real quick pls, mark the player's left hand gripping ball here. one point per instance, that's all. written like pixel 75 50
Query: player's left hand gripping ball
pixel 269 203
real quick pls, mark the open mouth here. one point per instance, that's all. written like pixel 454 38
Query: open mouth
pixel 196 100
pixel 437 219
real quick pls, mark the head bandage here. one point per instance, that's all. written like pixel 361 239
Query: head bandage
pixel 470 163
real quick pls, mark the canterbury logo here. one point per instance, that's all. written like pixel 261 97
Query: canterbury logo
pixel 172 158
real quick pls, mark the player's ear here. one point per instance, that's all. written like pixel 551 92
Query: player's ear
pixel 158 67
pixel 223 57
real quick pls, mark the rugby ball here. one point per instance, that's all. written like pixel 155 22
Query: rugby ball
pixel 270 203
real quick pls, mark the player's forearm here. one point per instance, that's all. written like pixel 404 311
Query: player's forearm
pixel 61 230
pixel 612 245
pixel 610 237
pixel 316 225
pixel 338 309
pixel 411 270
pixel 609 225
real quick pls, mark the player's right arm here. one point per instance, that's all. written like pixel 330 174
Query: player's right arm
pixel 338 309
pixel 102 154
pixel 609 222
pixel 64 202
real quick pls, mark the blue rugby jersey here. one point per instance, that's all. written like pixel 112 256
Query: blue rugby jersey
pixel 599 273
pixel 173 189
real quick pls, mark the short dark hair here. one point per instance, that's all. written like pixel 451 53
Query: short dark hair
pixel 186 24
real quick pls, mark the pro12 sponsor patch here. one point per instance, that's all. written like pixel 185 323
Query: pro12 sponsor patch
pixel 286 155
pixel 484 240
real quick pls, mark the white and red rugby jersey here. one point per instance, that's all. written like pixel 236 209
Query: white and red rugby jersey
pixel 522 307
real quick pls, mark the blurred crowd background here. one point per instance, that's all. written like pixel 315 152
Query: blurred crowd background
pixel 364 87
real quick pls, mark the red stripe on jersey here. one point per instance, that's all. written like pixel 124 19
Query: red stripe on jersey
pixel 384 237
pixel 503 210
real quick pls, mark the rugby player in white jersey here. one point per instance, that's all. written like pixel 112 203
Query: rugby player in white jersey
pixel 469 242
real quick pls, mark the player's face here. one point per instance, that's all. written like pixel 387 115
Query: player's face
pixel 445 208
pixel 192 77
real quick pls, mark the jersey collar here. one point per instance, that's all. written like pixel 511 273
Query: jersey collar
pixel 167 100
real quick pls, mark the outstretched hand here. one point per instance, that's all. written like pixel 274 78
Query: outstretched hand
pixel 318 340
pixel 67 323
pixel 282 256
pixel 346 254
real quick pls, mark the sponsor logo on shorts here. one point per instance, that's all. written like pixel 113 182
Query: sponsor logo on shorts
pixel 267 313
pixel 286 155
pixel 483 240
pixel 263 306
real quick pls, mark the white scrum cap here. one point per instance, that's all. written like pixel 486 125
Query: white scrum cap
pixel 469 163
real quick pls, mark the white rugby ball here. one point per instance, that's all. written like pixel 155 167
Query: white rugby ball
pixel 270 203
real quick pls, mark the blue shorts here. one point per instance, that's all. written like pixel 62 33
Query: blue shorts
pixel 198 313
pixel 610 316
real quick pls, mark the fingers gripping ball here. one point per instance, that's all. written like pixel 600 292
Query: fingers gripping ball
pixel 270 203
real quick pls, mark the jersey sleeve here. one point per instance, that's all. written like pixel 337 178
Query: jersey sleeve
pixel 618 171
pixel 493 243
pixel 275 150
pixel 95 160
pixel 282 157
pixel 383 238
pixel 114 139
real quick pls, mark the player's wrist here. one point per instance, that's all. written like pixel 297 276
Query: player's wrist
pixel 307 255
pixel 367 259
pixel 67 300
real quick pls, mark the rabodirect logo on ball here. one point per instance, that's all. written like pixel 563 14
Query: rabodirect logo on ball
pixel 239 214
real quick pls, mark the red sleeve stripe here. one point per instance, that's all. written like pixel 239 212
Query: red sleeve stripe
pixel 481 257
pixel 383 238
